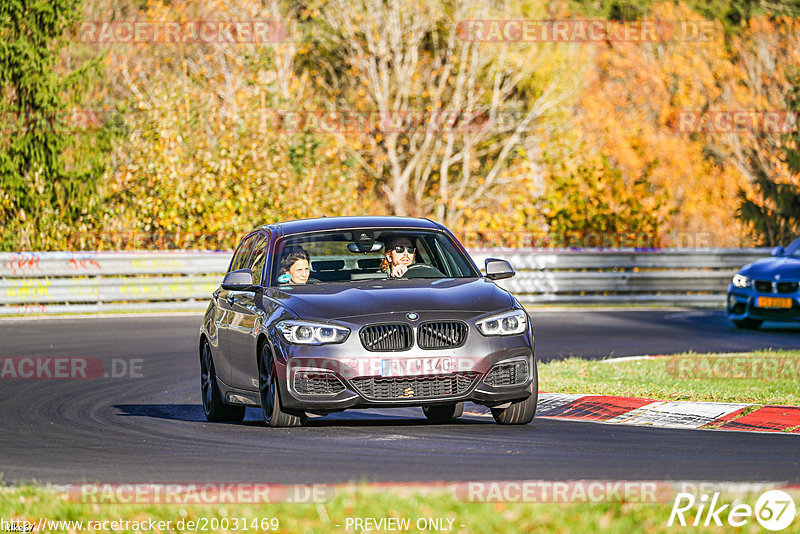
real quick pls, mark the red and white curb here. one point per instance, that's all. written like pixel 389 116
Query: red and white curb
pixel 664 414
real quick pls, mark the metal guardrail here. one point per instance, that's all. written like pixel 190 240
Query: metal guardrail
pixel 68 282
pixel 64 282
pixel 682 277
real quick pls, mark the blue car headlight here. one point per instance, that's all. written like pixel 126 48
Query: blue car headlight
pixel 311 333
pixel 504 324
pixel 740 280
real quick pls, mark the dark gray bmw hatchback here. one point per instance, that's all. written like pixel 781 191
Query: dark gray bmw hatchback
pixel 321 315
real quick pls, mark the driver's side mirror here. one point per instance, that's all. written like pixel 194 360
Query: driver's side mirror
pixel 498 269
pixel 777 251
pixel 238 280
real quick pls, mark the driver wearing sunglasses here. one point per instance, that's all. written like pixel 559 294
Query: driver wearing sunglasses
pixel 399 256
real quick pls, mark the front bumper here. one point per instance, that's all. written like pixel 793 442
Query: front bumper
pixel 742 304
pixel 353 377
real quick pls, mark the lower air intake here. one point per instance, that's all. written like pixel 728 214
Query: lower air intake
pixel 415 387
pixel 315 383
pixel 508 374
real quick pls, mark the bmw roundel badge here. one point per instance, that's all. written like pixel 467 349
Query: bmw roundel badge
pixel 412 316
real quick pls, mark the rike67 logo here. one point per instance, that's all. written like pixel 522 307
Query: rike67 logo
pixel 774 510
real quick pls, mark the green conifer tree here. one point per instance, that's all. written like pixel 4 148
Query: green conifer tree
pixel 41 193
pixel 775 212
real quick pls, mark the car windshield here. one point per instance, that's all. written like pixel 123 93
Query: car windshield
pixel 792 249
pixel 355 255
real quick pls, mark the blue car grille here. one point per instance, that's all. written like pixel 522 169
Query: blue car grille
pixel 763 286
pixel 766 286
pixel 786 287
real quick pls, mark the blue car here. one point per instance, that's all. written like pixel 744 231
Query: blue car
pixel 766 290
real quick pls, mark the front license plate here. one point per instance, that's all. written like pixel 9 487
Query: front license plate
pixel 773 302
pixel 416 366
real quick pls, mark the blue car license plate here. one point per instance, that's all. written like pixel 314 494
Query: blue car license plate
pixel 773 302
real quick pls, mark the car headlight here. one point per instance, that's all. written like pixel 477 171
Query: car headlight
pixel 504 324
pixel 740 280
pixel 310 333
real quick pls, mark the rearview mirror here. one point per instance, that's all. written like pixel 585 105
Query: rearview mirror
pixel 777 251
pixel 239 280
pixel 357 248
pixel 498 269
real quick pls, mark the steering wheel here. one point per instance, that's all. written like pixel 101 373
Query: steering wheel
pixel 422 270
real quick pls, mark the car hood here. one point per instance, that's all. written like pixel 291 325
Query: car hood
pixel 341 300
pixel 770 268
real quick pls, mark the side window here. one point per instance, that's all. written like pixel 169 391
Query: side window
pixel 423 252
pixel 242 253
pixel 258 258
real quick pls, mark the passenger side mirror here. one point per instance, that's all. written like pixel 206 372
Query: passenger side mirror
pixel 777 251
pixel 498 269
pixel 239 280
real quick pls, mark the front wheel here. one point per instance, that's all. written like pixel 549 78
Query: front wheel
pixel 274 414
pixel 213 407
pixel 444 413
pixel 520 412
pixel 747 323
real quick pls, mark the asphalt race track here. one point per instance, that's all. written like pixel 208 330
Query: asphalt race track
pixel 150 427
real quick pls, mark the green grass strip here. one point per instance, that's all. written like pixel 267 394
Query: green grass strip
pixel 761 377
pixel 420 507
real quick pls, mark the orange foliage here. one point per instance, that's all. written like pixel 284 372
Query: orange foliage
pixel 627 112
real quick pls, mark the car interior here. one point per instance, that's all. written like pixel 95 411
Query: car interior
pixel 339 257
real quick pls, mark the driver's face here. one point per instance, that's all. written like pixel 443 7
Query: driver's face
pixel 401 258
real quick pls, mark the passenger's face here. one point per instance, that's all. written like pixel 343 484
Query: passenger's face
pixel 300 271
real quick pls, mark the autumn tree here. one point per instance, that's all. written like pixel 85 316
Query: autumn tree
pixel 766 57
pixel 628 112
pixel 204 159
pixel 468 113
pixel 773 209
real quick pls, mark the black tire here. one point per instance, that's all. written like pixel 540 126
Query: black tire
pixel 520 412
pixel 269 392
pixel 747 323
pixel 213 407
pixel 447 412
